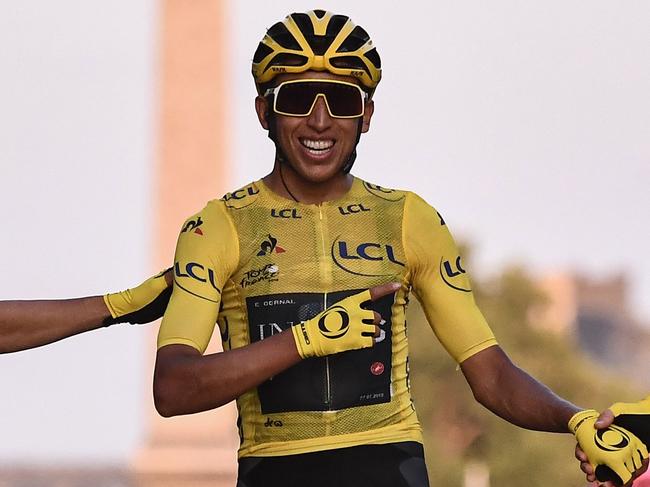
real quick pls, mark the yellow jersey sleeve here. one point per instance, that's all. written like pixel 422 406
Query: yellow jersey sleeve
pixel 441 283
pixel 207 253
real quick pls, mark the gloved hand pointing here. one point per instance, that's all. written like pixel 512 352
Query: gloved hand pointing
pixel 345 325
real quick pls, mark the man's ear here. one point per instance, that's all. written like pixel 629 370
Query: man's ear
pixel 367 115
pixel 262 109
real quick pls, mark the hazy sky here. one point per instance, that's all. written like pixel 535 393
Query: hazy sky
pixel 76 148
pixel 527 124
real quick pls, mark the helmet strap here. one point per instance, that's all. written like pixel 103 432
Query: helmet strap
pixel 273 135
pixel 353 155
pixel 280 156
pixel 284 183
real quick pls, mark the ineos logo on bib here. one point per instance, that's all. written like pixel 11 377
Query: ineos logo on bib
pixel 334 323
pixel 352 382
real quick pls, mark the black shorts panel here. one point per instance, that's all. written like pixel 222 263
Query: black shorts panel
pixel 392 465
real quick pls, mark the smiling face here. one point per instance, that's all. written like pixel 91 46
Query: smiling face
pixel 318 145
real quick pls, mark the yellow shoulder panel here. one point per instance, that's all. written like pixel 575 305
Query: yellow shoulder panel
pixel 441 283
pixel 206 255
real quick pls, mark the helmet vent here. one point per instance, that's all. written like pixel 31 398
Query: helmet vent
pixel 319 44
pixel 304 24
pixel 262 51
pixel 320 13
pixel 280 34
pixel 349 62
pixel 286 59
pixel 373 57
pixel 357 38
pixel 335 25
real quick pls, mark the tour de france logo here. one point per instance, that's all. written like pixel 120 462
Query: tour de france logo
pixel 612 439
pixel 334 323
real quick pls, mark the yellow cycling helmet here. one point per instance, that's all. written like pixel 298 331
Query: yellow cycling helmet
pixel 320 41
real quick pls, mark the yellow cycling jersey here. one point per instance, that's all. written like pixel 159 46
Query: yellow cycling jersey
pixel 257 263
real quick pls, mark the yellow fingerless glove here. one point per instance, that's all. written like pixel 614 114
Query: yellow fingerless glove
pixel 142 304
pixel 339 328
pixel 615 447
pixel 634 417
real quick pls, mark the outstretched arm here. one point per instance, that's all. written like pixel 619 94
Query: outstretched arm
pixel 515 396
pixel 442 286
pixel 29 324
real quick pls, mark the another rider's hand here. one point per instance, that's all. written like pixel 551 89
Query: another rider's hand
pixel 345 325
pixel 142 304
pixel 633 416
pixel 610 454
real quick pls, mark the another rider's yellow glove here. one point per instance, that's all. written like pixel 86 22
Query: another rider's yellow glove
pixel 634 417
pixel 612 448
pixel 343 326
pixel 142 304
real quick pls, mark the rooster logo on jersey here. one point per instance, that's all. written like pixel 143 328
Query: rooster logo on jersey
pixel 269 246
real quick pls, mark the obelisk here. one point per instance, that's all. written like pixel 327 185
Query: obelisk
pixel 191 168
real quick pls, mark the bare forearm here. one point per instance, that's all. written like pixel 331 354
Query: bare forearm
pixel 530 404
pixel 515 396
pixel 186 382
pixel 29 324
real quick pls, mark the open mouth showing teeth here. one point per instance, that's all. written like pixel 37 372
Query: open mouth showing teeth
pixel 317 146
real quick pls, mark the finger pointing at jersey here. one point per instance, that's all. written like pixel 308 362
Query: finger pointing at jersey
pixel 346 325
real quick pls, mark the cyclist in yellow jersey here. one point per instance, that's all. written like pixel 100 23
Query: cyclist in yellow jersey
pixel 283 266
pixel 280 263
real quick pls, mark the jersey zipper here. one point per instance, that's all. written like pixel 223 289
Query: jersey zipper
pixel 326 277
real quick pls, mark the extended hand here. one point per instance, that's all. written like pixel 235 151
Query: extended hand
pixel 142 304
pixel 633 416
pixel 638 462
pixel 346 325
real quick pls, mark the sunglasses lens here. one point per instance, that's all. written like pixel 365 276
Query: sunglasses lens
pixel 295 98
pixel 345 100
pixel 298 98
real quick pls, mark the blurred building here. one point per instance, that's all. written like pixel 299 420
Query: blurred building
pixel 598 314
pixel 199 449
